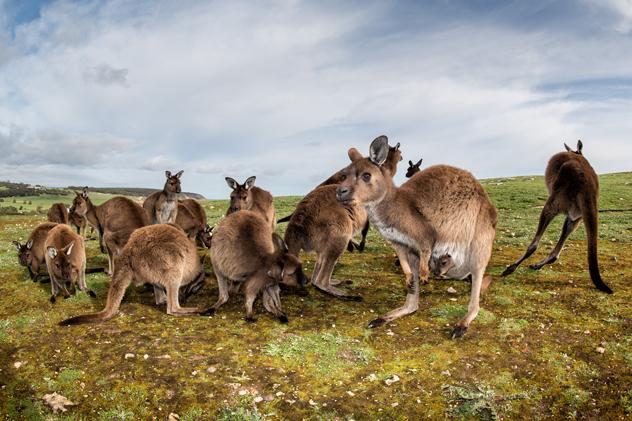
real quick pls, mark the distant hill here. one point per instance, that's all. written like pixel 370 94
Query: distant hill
pixel 131 191
pixel 8 189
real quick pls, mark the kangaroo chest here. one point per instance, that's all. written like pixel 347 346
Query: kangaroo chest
pixel 167 211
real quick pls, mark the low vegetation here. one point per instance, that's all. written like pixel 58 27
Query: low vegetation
pixel 547 344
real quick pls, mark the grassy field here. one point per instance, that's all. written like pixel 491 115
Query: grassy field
pixel 530 354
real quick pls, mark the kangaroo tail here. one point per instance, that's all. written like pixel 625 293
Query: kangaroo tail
pixel 589 213
pixel 285 219
pixel 120 281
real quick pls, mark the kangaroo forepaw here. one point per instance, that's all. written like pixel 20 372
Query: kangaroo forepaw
pixel 458 332
pixel 208 312
pixel 376 323
pixel 283 319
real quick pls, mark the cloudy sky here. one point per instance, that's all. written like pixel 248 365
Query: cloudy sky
pixel 113 93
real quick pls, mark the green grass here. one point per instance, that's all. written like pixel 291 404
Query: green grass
pixel 535 336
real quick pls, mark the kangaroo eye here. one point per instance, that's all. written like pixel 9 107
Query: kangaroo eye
pixel 343 177
pixel 366 176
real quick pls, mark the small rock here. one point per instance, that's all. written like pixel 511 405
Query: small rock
pixel 350 393
pixel 18 364
pixel 586 332
pixel 243 392
pixel 279 394
pixel 393 379
pixel 446 373
pixel 452 299
pixel 211 369
pixel 145 356
pixel 452 290
pixel 390 333
pixel 258 399
pixel 173 417
pixel 600 349
pixel 57 402
pixel 394 404
pixel 194 373
pixel 129 355
pixel 312 403
pixel 371 377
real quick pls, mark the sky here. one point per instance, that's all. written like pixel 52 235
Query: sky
pixel 114 93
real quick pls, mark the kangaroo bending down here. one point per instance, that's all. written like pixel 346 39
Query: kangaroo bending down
pixel 159 254
pixel 249 197
pixel 32 254
pixel 115 220
pixel 440 210
pixel 79 222
pixel 191 218
pixel 246 254
pixel 66 261
pixel 162 206
pixel 573 189
pixel 58 213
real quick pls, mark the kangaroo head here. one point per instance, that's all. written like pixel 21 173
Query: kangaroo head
pixel 63 265
pixel 241 196
pixel 80 203
pixel 25 255
pixel 172 185
pixel 366 180
pixel 284 267
pixel 413 168
pixel 441 265
pixel 206 235
pixel 578 151
pixel 393 158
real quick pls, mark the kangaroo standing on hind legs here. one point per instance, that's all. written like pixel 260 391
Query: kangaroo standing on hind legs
pixel 247 196
pixel 162 206
pixel 440 210
pixel 573 189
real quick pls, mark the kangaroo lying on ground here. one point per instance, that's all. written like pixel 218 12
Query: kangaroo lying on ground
pixel 246 254
pixel 440 210
pixel 32 254
pixel 249 197
pixel 66 262
pixel 162 206
pixel 158 254
pixel 573 189
pixel 58 213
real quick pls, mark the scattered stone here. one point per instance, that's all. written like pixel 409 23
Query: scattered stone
pixel 279 394
pixel 452 299
pixel 586 332
pixel 18 364
pixel 258 399
pixel 390 333
pixel 173 417
pixel 452 290
pixel 393 379
pixel 170 394
pixel 350 393
pixel 394 404
pixel 243 392
pixel 600 349
pixel 211 369
pixel 145 356
pixel 129 355
pixel 312 403
pixel 446 373
pixel 371 377
pixel 194 373
pixel 57 402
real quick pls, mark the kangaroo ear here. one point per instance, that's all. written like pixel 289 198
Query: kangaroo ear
pixel 29 244
pixel 410 163
pixel 378 152
pixel 17 244
pixel 84 194
pixel 68 248
pixel 397 146
pixel 580 145
pixel 279 244
pixel 168 174
pixel 354 154
pixel 419 163
pixel 232 183
pixel 179 173
pixel 276 273
pixel 250 182
pixel 567 148
pixel 52 252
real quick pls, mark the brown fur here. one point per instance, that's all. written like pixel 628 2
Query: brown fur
pixel 58 213
pixel 246 254
pixel 162 206
pixel 117 217
pixel 65 261
pixel 574 191
pixel 440 265
pixel 79 222
pixel 440 210
pixel 191 218
pixel 158 254
pixel 32 253
pixel 247 196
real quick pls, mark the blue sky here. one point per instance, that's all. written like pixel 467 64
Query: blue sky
pixel 113 93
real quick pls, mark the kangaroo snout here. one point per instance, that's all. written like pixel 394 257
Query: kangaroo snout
pixel 343 194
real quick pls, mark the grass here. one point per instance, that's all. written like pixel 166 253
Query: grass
pixel 530 354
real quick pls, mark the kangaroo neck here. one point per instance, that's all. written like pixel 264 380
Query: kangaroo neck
pixel 378 209
pixel 92 214
pixel 169 196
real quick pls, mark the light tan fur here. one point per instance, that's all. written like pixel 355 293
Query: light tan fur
pixel 162 206
pixel 247 196
pixel 32 254
pixel 58 213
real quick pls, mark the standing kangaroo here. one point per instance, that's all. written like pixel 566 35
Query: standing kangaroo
pixel 32 254
pixel 413 168
pixel 191 218
pixel 79 222
pixel 246 253
pixel 66 261
pixel 162 206
pixel 159 254
pixel 58 213
pixel 573 189
pixel 115 220
pixel 440 210
pixel 249 197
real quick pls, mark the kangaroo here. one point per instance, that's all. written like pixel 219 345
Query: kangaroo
pixel 394 156
pixel 440 210
pixel 159 254
pixel 246 253
pixel 573 189
pixel 413 168
pixel 79 222
pixel 440 265
pixel 162 206
pixel 118 217
pixel 191 218
pixel 58 213
pixel 66 262
pixel 32 254
pixel 249 197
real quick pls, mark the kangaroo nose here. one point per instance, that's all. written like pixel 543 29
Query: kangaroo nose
pixel 342 190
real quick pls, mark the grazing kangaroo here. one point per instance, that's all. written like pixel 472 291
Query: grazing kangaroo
pixel 440 210
pixel 117 217
pixel 58 213
pixel 32 254
pixel 413 168
pixel 162 206
pixel 66 262
pixel 394 156
pixel 247 254
pixel 249 197
pixel 79 222
pixel 159 254
pixel 191 218
pixel 573 189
